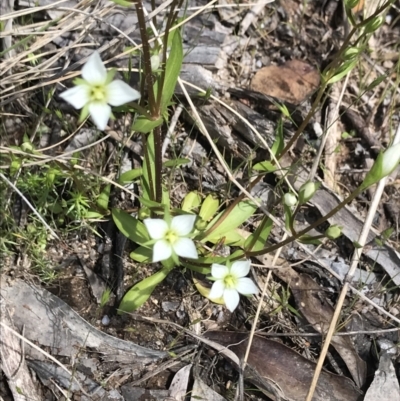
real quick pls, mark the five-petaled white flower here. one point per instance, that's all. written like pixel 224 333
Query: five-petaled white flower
pixel 230 282
pixel 172 238
pixel 97 91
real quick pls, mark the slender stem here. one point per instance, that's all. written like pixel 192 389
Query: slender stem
pixel 148 76
pixel 158 162
pixel 307 229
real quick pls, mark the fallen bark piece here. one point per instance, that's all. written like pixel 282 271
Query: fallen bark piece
pixel 50 322
pixel 202 392
pixel 311 302
pixel 137 393
pixel 179 386
pixel 12 362
pixel 291 82
pixel 385 382
pixel 291 372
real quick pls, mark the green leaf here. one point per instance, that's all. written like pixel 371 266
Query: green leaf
pixel 130 176
pixel 209 207
pixel 132 228
pixel 141 292
pixel 142 254
pixel 144 125
pixel 258 239
pixel 237 216
pixel 104 197
pixel 123 3
pixel 173 68
pixel 191 201
pixel 265 167
pixel 176 162
pixel 230 238
pixel 279 142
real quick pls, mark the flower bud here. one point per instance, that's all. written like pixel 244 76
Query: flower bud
pixel 289 199
pixel 144 213
pixel 374 24
pixel 384 165
pixel 334 231
pixel 307 191
pixel 155 62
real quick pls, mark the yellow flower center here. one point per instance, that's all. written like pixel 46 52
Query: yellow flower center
pixel 98 93
pixel 230 281
pixel 171 236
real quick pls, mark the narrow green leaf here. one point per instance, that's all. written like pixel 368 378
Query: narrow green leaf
pixel 176 162
pixel 141 292
pixel 265 167
pixel 144 125
pixel 123 3
pixel 142 254
pixel 258 239
pixel 132 228
pixel 104 197
pixel 130 176
pixel 173 68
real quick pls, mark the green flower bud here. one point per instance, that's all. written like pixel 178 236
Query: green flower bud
pixel 351 53
pixel 374 24
pixel 334 231
pixel 144 213
pixel 155 62
pixel 307 191
pixel 289 199
pixel 200 224
pixel 384 165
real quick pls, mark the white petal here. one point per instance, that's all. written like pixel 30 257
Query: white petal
pixel 100 113
pixel 118 93
pixel 161 251
pixel 240 268
pixel 185 247
pixel 94 71
pixel 246 286
pixel 219 271
pixel 217 290
pixel 231 299
pixel 156 228
pixel 183 225
pixel 78 96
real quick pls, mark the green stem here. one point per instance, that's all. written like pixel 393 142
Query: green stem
pixel 158 163
pixel 148 73
pixel 307 229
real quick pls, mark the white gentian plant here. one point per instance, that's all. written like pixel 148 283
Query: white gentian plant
pixel 96 92
pixel 230 281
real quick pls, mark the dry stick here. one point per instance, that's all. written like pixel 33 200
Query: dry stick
pixel 356 257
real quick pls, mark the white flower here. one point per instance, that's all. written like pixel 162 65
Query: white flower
pixel 96 92
pixel 172 238
pixel 230 282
